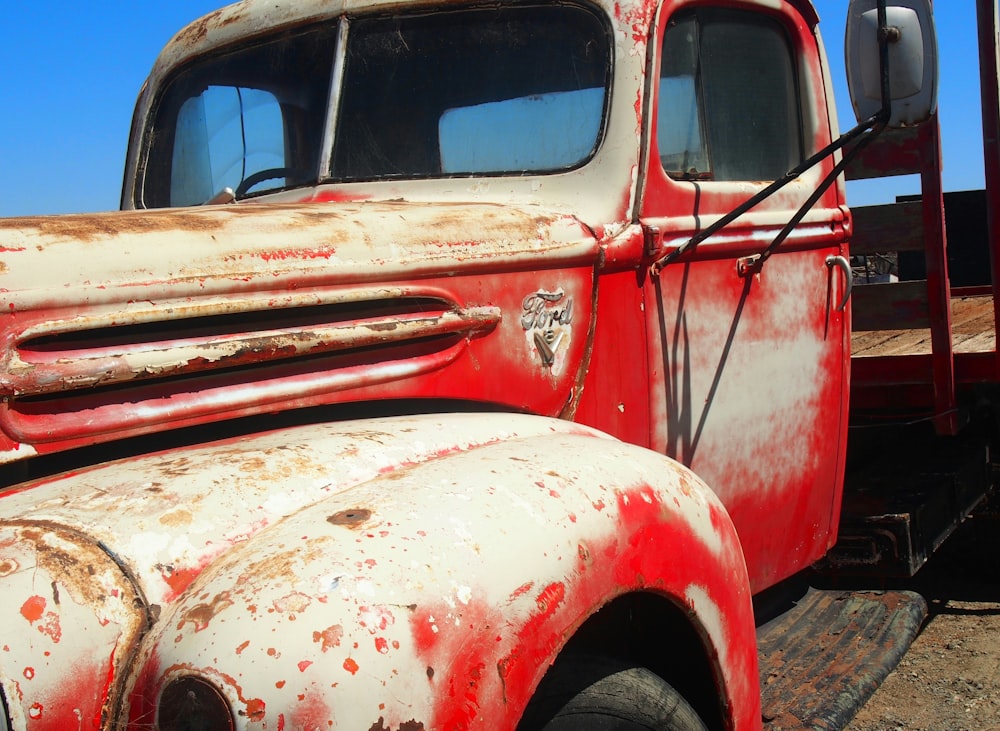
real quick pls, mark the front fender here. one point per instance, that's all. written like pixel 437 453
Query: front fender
pixel 436 596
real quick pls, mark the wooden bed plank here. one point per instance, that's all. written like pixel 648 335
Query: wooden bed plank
pixel 972 332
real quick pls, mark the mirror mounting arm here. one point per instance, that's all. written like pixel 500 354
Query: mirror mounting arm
pixel 885 37
pixel 872 126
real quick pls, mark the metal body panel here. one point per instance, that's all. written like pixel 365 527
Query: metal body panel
pixel 614 394
pixel 196 315
pixel 747 366
pixel 378 566
pixel 758 413
pixel 157 255
pixel 67 605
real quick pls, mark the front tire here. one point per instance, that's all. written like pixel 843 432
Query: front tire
pixel 603 694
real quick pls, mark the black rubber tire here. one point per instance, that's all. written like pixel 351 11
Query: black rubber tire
pixel 586 693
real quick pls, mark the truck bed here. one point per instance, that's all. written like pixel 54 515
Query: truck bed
pixel 895 373
pixel 972 332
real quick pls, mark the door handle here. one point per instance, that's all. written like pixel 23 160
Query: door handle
pixel 845 267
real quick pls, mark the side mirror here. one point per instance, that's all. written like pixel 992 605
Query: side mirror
pixel 912 60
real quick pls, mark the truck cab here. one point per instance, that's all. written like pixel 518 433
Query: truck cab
pixel 500 134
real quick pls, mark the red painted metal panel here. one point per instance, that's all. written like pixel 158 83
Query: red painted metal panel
pixel 893 152
pixel 266 324
pixel 615 390
pixel 748 374
pixel 887 372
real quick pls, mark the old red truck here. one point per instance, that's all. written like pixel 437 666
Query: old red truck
pixel 436 374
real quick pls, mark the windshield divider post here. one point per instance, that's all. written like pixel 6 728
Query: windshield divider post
pixel 325 162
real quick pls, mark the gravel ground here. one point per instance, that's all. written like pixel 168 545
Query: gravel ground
pixel 950 678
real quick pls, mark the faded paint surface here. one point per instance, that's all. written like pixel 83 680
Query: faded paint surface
pixel 436 594
pixel 417 572
pixel 748 372
pixel 752 390
pixel 171 514
pixel 386 560
pixel 66 606
pixel 358 304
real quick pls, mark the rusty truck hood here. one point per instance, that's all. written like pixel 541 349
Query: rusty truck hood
pixel 127 323
pixel 87 259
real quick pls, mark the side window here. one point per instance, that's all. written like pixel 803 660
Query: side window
pixel 729 105
pixel 250 118
pixel 223 136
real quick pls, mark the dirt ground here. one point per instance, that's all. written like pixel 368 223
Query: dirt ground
pixel 950 679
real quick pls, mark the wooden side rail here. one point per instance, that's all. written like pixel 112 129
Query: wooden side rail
pixel 913 304
pixel 887 228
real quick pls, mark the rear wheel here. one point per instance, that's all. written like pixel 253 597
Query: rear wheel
pixel 602 694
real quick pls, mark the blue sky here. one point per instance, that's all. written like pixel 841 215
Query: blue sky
pixel 72 71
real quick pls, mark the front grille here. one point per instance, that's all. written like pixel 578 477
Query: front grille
pixel 79 376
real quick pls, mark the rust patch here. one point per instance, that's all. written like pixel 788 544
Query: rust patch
pixel 411 725
pixel 73 571
pixel 8 566
pixel 253 464
pixel 281 566
pixel 95 226
pixel 330 637
pixel 174 467
pixel 177 518
pixel 351 518
pixel 195 32
pixel 201 614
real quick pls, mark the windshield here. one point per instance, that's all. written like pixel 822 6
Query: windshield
pixel 482 91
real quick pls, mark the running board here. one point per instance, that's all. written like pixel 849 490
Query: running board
pixel 821 660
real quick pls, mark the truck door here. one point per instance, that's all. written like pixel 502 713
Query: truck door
pixel 749 364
